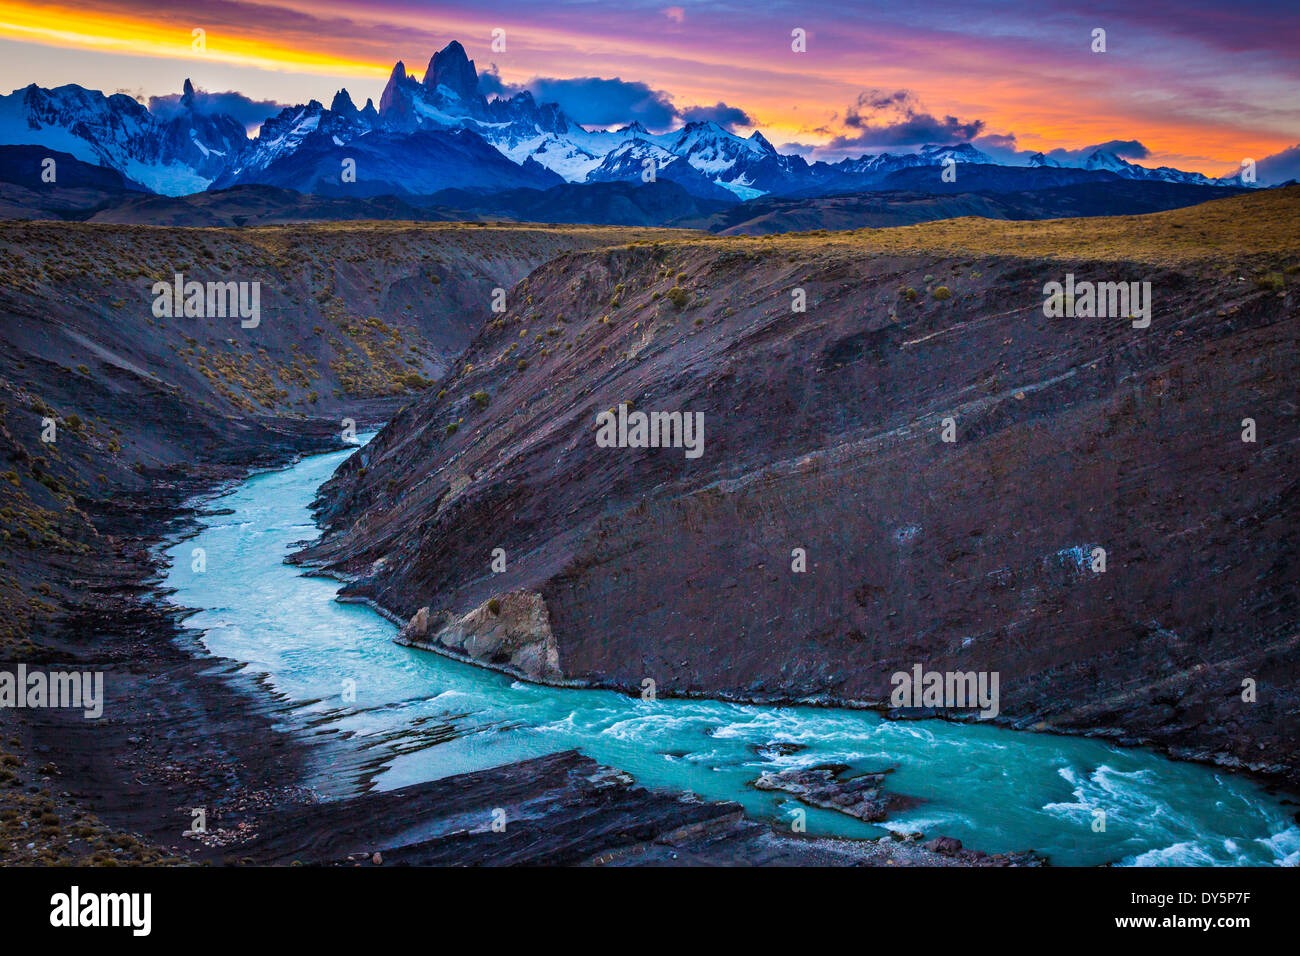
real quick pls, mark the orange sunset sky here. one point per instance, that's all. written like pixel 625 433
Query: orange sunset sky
pixel 1195 85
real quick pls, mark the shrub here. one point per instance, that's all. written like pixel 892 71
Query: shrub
pixel 411 380
pixel 494 606
pixel 451 429
pixel 678 297
pixel 942 292
pixel 909 294
pixel 482 398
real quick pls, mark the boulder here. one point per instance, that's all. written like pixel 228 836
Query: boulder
pixel 945 845
pixel 417 628
pixel 510 632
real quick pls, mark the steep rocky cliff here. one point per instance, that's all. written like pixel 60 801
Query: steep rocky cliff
pixel 102 398
pixel 829 535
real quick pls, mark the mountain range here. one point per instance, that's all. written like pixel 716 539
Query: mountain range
pixel 441 132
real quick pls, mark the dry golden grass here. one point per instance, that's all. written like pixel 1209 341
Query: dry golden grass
pixel 497 236
pixel 1262 225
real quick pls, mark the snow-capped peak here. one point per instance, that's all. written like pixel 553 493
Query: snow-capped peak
pixel 1100 159
pixel 759 140
pixel 185 149
pixel 958 153
pixel 174 155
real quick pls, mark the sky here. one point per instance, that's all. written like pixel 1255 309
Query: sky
pixel 1191 84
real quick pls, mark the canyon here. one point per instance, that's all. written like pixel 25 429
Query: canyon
pixel 626 564
pixel 825 434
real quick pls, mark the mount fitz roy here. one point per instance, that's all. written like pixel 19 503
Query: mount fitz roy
pixel 442 132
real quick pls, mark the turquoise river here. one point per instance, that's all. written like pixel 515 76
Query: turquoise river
pixel 422 717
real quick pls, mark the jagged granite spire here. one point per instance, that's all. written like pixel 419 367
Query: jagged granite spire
pixel 392 100
pixel 342 103
pixel 450 67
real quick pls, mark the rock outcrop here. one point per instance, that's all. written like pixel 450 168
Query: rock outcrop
pixel 825 786
pixel 562 809
pixel 511 632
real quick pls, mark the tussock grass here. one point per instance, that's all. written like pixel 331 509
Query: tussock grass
pixel 1258 225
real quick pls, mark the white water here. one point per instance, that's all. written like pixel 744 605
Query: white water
pixel 423 717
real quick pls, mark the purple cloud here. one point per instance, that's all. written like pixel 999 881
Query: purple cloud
pixel 599 101
pixel 883 118
pixel 251 113
pixel 592 100
pixel 1278 168
pixel 1123 148
pixel 728 117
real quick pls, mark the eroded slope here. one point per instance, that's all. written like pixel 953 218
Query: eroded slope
pixel 823 431
pixel 349 313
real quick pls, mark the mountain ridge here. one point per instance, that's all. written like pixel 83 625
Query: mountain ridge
pixel 191 150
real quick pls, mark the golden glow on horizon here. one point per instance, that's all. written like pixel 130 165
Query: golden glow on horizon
pixel 139 37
